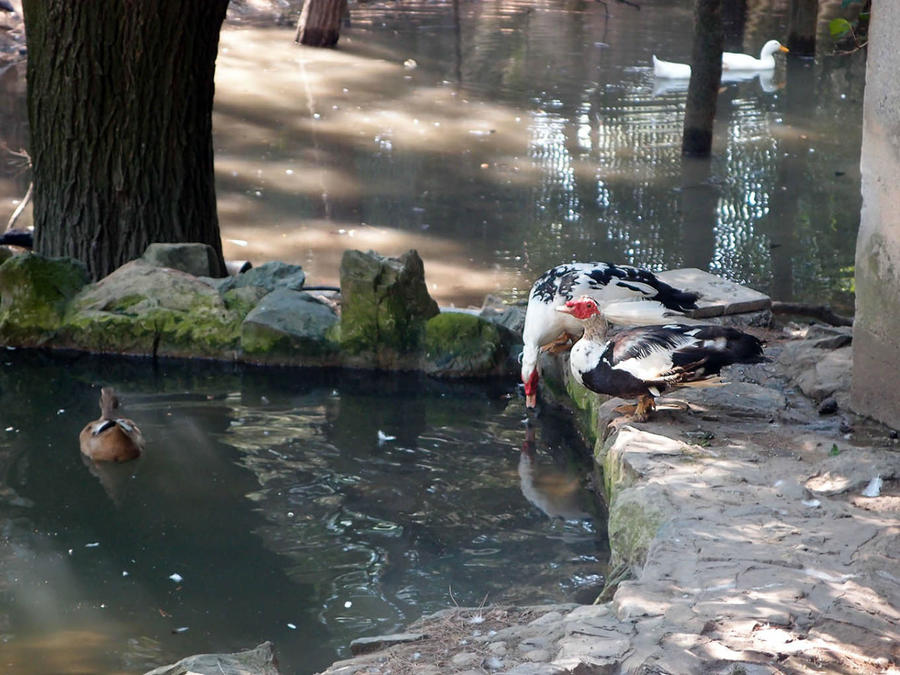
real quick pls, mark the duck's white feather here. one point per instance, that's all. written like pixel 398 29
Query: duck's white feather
pixel 731 61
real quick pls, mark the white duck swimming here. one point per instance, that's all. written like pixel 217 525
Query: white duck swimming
pixel 731 61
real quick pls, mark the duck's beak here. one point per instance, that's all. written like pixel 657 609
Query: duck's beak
pixel 784 49
pixel 530 400
pixel 564 309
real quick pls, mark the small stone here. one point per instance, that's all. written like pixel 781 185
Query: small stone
pixel 497 648
pixel 464 659
pixel 538 655
pixel 492 663
pixel 845 427
pixel 828 407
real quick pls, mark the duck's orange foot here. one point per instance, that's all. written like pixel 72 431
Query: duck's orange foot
pixel 561 344
pixel 627 409
pixel 644 407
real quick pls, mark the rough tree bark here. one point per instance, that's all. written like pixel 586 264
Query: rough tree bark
pixel 706 75
pixel 320 22
pixel 802 30
pixel 120 106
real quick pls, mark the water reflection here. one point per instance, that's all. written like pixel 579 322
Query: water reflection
pixel 523 148
pixel 266 500
pixel 527 134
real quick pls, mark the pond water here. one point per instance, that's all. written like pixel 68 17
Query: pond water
pixel 532 133
pixel 525 135
pixel 285 515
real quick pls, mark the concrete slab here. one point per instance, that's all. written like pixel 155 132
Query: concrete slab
pixel 718 296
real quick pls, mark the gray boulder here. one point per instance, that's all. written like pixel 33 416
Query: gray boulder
pixel 258 661
pixel 290 327
pixel 193 258
pixel 270 276
pixel 510 317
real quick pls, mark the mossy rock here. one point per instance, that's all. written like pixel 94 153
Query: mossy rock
pixel 242 300
pixel 384 307
pixel 34 295
pixel 141 309
pixel 462 345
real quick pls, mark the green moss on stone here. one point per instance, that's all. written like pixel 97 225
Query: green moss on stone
pixel 34 294
pixel 243 299
pixel 384 306
pixel 126 303
pixel 634 521
pixel 462 344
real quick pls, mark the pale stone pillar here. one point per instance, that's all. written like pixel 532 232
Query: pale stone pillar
pixel 876 329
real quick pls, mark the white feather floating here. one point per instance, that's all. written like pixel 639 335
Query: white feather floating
pixel 873 489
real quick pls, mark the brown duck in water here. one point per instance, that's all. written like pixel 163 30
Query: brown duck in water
pixel 111 438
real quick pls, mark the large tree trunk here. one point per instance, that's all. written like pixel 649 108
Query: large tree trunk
pixel 120 106
pixel 706 75
pixel 320 22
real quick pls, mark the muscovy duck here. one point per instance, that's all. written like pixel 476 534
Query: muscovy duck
pixel 731 61
pixel 615 287
pixel 643 362
pixel 111 438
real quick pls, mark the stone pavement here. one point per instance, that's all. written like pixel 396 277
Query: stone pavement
pixel 745 523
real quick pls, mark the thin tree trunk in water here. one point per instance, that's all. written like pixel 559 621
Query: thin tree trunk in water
pixel 320 23
pixel 120 107
pixel 734 20
pixel 706 75
pixel 802 31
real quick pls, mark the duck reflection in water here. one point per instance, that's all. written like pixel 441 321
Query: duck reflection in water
pixel 555 491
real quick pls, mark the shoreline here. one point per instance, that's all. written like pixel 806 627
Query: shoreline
pixel 743 522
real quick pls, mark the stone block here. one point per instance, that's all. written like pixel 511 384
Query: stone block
pixel 191 258
pixel 290 327
pixel 718 296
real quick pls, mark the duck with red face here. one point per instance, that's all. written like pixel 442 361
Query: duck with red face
pixel 628 295
pixel 644 362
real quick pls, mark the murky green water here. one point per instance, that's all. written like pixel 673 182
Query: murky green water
pixel 271 496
